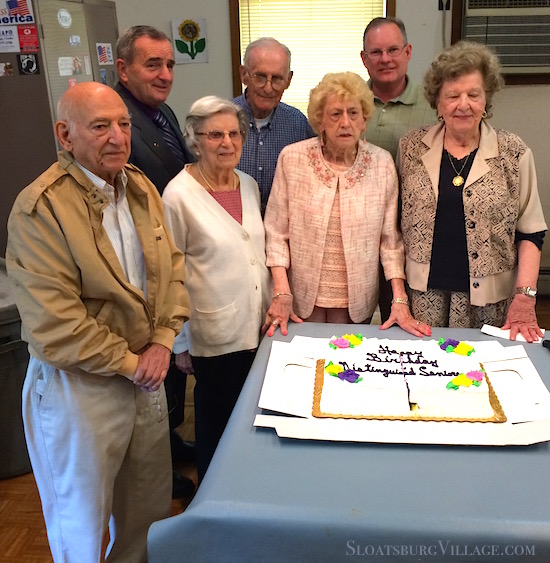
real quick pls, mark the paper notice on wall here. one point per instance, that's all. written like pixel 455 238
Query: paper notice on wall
pixel 65 66
pixel 6 69
pixel 104 54
pixel 9 39
pixel 87 65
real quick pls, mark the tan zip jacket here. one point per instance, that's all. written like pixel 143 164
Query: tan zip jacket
pixel 79 313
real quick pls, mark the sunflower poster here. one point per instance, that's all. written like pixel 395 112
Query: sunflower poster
pixel 190 41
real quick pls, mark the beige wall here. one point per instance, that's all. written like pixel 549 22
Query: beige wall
pixel 522 109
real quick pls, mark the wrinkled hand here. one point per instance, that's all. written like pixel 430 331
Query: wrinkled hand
pixel 153 367
pixel 522 319
pixel 401 315
pixel 278 315
pixel 183 362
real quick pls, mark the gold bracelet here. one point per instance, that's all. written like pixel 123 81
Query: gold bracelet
pixel 400 301
pixel 282 293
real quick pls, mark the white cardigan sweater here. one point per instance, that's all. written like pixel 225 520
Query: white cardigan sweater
pixel 228 282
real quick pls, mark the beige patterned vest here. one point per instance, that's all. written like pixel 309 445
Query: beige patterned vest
pixel 491 206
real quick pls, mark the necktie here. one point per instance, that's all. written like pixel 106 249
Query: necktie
pixel 168 135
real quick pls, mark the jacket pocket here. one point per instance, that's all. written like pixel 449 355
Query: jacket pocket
pixel 99 309
pixel 164 252
pixel 43 377
pixel 213 328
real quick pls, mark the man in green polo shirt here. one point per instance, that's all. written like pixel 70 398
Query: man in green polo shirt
pixel 399 104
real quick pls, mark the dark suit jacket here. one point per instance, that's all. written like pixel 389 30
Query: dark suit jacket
pixel 150 152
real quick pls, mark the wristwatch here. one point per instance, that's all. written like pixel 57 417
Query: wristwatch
pixel 529 291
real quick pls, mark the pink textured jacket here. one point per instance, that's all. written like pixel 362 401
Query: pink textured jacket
pixel 297 217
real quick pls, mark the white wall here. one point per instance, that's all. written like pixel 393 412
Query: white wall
pixel 191 81
pixel 428 31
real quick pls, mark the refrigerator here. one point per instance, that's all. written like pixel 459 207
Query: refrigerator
pixel 46 46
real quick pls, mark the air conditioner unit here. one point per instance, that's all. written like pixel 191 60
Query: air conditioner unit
pixel 517 30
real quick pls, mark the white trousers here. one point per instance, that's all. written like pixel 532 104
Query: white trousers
pixel 100 452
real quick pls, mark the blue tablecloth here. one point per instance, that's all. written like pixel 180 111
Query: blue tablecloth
pixel 271 499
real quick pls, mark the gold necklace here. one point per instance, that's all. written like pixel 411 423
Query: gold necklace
pixel 209 186
pixel 458 180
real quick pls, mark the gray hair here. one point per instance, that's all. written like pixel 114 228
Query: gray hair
pixel 205 108
pixel 65 111
pixel 379 22
pixel 265 43
pixel 464 57
pixel 125 46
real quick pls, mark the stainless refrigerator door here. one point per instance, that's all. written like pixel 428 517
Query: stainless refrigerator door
pixel 102 26
pixel 66 48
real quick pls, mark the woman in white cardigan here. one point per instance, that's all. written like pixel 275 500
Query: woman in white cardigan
pixel 213 211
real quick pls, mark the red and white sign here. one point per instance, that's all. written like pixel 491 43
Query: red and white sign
pixel 28 38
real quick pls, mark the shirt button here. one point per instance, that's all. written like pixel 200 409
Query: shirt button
pixel 245 236
pixel 261 143
pixel 384 110
pixel 260 168
pixel 476 285
pixel 254 261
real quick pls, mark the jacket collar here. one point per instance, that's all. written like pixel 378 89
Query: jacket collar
pixel 434 138
pixel 407 97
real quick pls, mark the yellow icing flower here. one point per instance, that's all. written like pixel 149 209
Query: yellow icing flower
pixel 353 339
pixel 333 369
pixel 463 349
pixel 462 379
pixel 189 30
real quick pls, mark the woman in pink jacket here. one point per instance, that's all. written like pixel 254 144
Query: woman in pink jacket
pixel 332 215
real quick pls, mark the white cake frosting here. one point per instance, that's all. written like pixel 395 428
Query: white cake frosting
pixel 403 379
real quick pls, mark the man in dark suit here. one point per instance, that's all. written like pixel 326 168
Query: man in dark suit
pixel 145 67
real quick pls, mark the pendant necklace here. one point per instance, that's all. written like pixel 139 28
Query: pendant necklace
pixel 458 180
pixel 209 186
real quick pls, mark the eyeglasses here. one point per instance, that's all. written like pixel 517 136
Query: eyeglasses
pixel 376 54
pixel 220 135
pixel 260 79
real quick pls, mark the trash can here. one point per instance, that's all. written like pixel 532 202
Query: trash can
pixel 14 357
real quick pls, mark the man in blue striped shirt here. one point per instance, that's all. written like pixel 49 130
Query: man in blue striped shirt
pixel 273 125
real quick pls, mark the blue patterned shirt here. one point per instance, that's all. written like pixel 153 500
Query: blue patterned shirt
pixel 286 125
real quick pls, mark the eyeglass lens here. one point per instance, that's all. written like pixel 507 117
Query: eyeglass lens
pixel 260 79
pixel 219 135
pixel 391 51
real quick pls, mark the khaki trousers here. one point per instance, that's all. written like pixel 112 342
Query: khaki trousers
pixel 100 453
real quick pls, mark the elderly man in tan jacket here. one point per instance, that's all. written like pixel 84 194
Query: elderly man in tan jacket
pixel 99 287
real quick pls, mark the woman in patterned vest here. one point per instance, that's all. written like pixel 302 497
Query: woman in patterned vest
pixel 472 221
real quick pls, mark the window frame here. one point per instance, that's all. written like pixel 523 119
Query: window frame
pixel 235 34
pixel 509 79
